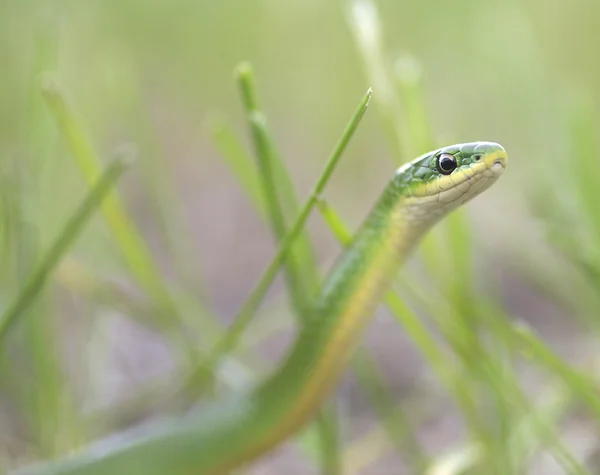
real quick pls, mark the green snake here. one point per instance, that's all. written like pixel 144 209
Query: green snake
pixel 232 432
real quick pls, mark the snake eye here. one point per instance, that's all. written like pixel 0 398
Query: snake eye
pixel 446 163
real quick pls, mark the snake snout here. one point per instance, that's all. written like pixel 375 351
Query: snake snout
pixel 501 160
pixel 496 158
pixel 498 165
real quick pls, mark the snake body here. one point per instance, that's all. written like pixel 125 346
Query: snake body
pixel 231 432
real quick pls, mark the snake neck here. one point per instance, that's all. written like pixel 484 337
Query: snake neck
pixel 350 296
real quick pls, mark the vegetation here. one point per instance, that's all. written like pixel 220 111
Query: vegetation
pixel 483 359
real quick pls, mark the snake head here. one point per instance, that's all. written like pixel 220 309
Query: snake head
pixel 443 179
pixel 456 158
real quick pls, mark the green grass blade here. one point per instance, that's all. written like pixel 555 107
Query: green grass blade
pixel 239 162
pixel 35 283
pixel 300 270
pixel 245 315
pixel 364 22
pixel 584 124
pixel 296 277
pixel 42 389
pixel 272 164
pixel 241 165
pixel 409 80
pixel 326 426
pixel 129 240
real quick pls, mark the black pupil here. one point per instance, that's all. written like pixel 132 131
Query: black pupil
pixel 447 163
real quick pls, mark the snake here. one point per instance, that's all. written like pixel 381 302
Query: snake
pixel 232 432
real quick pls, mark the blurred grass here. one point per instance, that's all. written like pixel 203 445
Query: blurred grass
pixel 515 72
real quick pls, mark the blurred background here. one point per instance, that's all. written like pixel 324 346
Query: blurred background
pixel 93 354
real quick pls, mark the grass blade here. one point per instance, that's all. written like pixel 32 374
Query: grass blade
pixel 408 76
pixel 364 22
pixel 35 283
pixel 245 315
pixel 129 240
pixel 300 270
pixel 240 163
pixel 42 389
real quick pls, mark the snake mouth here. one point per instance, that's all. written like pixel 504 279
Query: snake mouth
pixel 498 166
pixel 497 161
